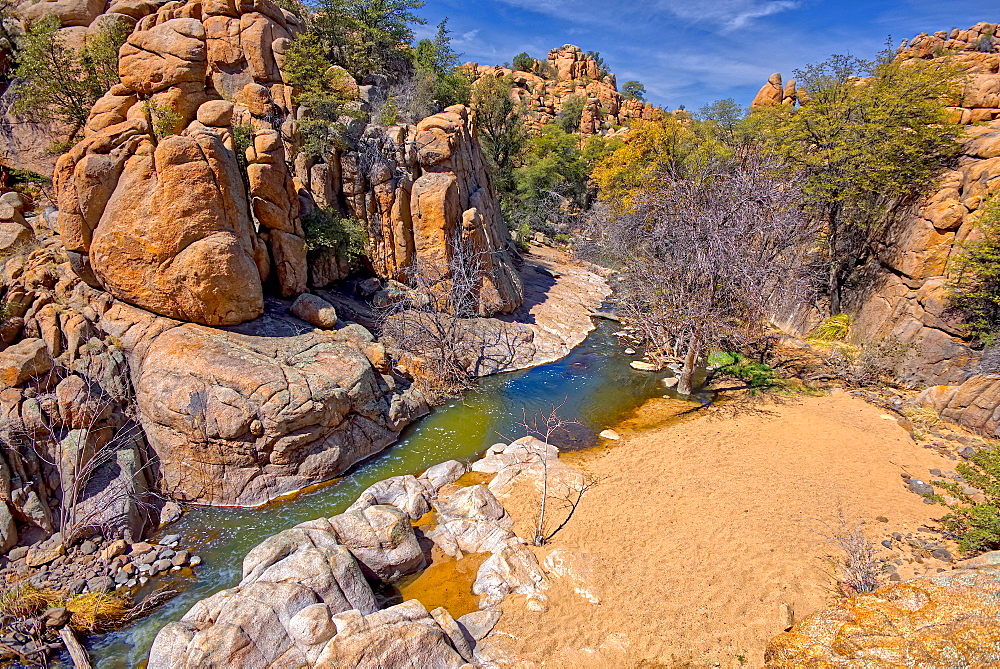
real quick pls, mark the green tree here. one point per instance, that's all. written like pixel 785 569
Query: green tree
pixel 634 90
pixel 725 116
pixel 323 89
pixel 437 60
pixel 553 163
pixel 975 290
pixel 364 36
pixel 864 146
pixel 523 62
pixel 59 83
pixel 571 114
pixel 602 67
pixel 501 128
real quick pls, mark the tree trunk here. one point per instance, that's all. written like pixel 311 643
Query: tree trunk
pixel 686 380
pixel 835 260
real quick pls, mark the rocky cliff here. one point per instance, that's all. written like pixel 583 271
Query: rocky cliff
pixel 906 294
pixel 163 217
pixel 569 72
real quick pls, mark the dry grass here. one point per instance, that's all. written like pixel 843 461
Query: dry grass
pixel 98 612
pixel 834 328
pixel 23 600
pixel 921 416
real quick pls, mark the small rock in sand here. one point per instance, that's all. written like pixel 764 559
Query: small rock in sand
pixel 610 434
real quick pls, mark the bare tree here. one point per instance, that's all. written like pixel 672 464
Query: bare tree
pixel 545 426
pixel 707 256
pixel 857 570
pixel 435 325
pixel 92 439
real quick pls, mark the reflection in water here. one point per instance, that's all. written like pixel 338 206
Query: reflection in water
pixel 594 386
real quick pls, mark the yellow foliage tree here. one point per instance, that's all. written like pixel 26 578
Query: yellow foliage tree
pixel 670 146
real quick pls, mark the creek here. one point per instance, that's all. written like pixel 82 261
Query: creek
pixel 593 386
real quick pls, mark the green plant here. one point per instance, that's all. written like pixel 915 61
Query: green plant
pixel 864 147
pixel 523 62
pixel 62 84
pixel 242 140
pixel 756 375
pixel 975 288
pixel 976 521
pixel 562 238
pixel 162 119
pixel 834 328
pixel 325 229
pixel 634 90
pixel 571 114
pixel 436 58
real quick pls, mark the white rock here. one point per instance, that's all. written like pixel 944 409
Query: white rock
pixel 643 366
pixel 610 434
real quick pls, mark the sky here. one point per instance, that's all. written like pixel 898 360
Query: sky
pixel 692 52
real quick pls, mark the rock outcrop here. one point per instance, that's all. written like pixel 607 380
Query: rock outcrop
pixel 949 619
pixel 567 73
pixel 239 419
pixel 304 599
pixel 155 206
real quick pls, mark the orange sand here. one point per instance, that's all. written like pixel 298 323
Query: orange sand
pixel 700 532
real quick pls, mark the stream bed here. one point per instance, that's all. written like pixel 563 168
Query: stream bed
pixel 593 386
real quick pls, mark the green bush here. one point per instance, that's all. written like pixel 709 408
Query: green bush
pixel 60 83
pixel 977 523
pixel 975 291
pixel 571 114
pixel 325 229
pixel 756 375
pixel 523 62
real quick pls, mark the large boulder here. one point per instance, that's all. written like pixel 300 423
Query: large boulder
pixel 381 538
pixel 239 419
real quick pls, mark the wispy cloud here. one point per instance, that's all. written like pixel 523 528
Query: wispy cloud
pixel 726 15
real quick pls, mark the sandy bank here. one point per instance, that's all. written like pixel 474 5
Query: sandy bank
pixel 699 532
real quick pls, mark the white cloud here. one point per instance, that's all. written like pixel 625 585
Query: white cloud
pixel 728 15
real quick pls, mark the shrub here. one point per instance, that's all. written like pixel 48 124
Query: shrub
pixel 756 375
pixel 834 328
pixel 975 290
pixel 571 114
pixel 976 522
pixel 874 364
pixel 325 229
pixel 59 83
pixel 523 62
pixel 162 119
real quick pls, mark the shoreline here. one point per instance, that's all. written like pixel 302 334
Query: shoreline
pixel 682 574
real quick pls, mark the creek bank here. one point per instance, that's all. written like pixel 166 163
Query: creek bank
pixel 721 542
pixel 305 598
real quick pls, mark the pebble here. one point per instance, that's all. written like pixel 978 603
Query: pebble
pixel 918 487
pixel 643 366
pixel 882 519
pixel 610 434
pixel 887 543
pixel 630 351
pixel 171 539
pixel 194 561
pixel 88 547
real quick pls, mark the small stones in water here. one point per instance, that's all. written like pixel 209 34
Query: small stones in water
pixel 670 381
pixel 610 434
pixel 643 366
pixel 630 351
pixel 194 561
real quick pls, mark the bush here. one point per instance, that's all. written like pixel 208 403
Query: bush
pixel 523 62
pixel 325 229
pixel 834 328
pixel 59 83
pixel 756 375
pixel 975 291
pixel 976 522
pixel 571 114
pixel 874 364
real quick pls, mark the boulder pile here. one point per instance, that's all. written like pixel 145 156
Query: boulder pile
pixel 306 599
pixel 569 72
pixel 156 208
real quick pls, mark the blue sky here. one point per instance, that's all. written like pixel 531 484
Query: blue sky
pixel 692 52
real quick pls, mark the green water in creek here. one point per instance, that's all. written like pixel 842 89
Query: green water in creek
pixel 594 384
